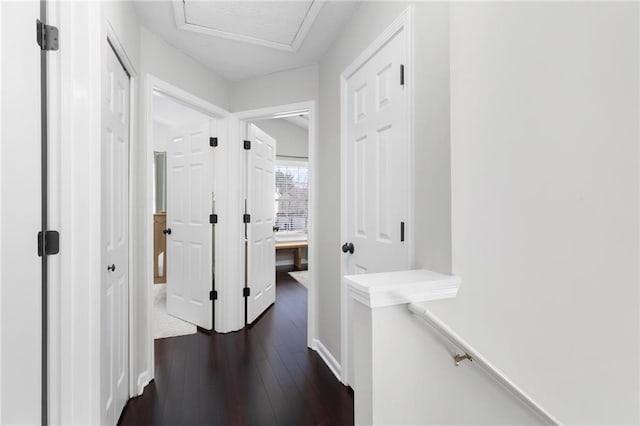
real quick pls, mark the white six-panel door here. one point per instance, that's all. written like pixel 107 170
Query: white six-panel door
pixel 261 254
pixel 377 172
pixel 114 300
pixel 189 245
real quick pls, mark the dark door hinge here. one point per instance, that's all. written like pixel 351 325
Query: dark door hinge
pixel 401 74
pixel 213 218
pixel 246 218
pixel 213 295
pixel 401 231
pixel 246 292
pixel 49 243
pixel 46 36
pixel 213 142
pixel 247 144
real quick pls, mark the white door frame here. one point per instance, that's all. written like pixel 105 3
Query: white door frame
pixel 403 22
pixel 274 112
pixel 142 312
pixel 75 210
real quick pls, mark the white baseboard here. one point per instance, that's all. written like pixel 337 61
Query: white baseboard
pixel 328 359
pixel 143 380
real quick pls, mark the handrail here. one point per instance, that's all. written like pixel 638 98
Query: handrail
pixel 472 355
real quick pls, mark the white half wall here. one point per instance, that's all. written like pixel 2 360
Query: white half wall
pixel 406 375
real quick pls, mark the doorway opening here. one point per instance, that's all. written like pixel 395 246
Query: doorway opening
pixel 289 199
pixel 277 189
pixel 180 156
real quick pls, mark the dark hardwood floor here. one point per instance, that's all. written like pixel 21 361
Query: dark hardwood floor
pixel 263 375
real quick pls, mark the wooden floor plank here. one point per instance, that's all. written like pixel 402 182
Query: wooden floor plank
pixel 263 375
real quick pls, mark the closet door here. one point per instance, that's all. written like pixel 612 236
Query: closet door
pixel 114 301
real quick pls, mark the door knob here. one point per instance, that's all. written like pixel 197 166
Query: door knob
pixel 166 231
pixel 347 248
pixel 276 228
pixel 111 268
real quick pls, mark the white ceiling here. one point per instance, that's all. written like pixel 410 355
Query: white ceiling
pixel 171 113
pixel 267 21
pixel 276 24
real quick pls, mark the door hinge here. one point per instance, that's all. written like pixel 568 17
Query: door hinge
pixel 213 295
pixel 246 218
pixel 402 231
pixel 247 144
pixel 213 142
pixel 49 243
pixel 401 75
pixel 246 292
pixel 46 36
pixel 213 218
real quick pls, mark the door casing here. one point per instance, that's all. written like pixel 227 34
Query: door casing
pixel 274 112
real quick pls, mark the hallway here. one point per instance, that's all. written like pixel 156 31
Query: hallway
pixel 264 375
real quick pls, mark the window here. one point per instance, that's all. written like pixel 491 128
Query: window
pixel 292 195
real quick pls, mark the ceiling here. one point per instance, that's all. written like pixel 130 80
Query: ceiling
pixel 247 39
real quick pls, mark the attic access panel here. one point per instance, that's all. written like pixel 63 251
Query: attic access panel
pixel 279 25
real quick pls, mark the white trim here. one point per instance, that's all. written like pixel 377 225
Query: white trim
pixel 328 358
pixel 307 23
pixel 314 214
pixel 154 84
pixel 75 193
pixel 1 61
pixel 143 380
pixel 401 287
pixel 403 21
pixel 478 359
pixel 112 41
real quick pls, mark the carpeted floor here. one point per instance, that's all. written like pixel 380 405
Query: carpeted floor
pixel 164 325
pixel 301 276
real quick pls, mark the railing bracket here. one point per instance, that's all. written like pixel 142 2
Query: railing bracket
pixel 459 358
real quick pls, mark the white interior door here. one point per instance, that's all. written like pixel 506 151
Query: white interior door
pixel 114 301
pixel 377 173
pixel 20 215
pixel 261 253
pixel 189 243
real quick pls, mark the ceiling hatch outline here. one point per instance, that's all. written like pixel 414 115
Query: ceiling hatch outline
pixel 303 30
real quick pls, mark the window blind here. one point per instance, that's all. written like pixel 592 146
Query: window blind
pixel 292 196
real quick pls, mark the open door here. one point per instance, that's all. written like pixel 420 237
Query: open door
pixel 189 233
pixel 261 254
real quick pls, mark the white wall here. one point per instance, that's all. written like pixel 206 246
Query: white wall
pixel 171 65
pixel 20 215
pixel 431 231
pixel 544 104
pixel 291 140
pixel 161 137
pixel 281 88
